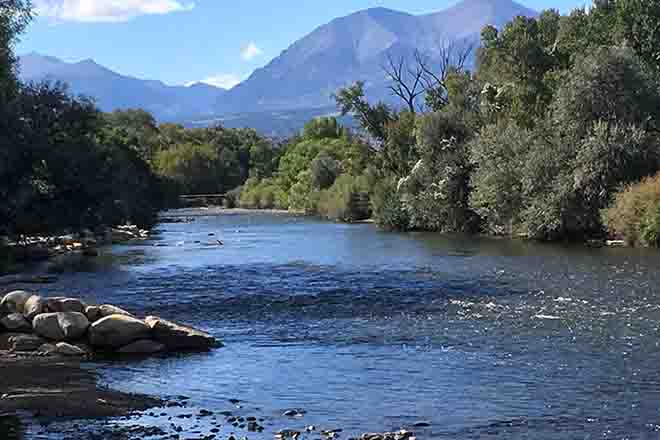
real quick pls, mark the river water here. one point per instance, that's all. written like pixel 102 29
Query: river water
pixel 372 331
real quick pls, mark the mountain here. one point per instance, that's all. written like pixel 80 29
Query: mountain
pixel 356 47
pixel 302 79
pixel 114 91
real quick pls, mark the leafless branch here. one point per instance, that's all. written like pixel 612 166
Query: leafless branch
pixel 406 82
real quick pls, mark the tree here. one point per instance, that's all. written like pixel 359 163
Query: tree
pixel 351 100
pixel 323 128
pixel 453 60
pixel 406 82
pixel 15 15
pixel 137 128
pixel 640 26
pixel 325 170
pixel 436 192
pixel 498 155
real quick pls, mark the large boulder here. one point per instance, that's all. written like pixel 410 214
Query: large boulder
pixel 142 347
pixel 65 326
pixel 180 337
pixel 108 310
pixel 47 325
pixel 73 324
pixel 116 331
pixel 62 304
pixel 34 306
pixel 16 322
pixel 26 343
pixel 14 302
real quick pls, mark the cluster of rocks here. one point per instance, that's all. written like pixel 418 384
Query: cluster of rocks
pixel 398 435
pixel 69 327
pixel 85 242
pixel 174 220
pixel 290 434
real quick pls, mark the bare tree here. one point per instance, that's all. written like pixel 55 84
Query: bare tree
pixel 410 82
pixel 407 83
pixel 452 58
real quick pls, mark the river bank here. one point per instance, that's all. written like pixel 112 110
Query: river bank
pixel 62 388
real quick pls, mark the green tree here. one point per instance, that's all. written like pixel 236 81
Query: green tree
pixel 373 119
pixel 15 15
pixel 325 170
pixel 498 155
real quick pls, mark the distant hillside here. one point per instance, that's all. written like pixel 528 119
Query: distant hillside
pixel 298 82
pixel 114 91
pixel 355 48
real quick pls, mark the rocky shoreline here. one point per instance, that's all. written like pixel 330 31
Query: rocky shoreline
pixel 61 326
pixel 44 344
pixel 87 243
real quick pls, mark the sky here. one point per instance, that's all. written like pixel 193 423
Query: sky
pixel 185 41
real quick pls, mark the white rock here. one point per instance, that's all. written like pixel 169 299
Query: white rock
pixel 117 331
pixel 180 337
pixel 69 350
pixel 14 302
pixel 33 306
pixel 108 310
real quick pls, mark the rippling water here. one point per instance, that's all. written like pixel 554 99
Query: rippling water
pixel 368 331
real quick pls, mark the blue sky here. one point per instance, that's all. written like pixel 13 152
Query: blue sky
pixel 182 41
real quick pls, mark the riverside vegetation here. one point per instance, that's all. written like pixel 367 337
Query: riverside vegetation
pixel 545 138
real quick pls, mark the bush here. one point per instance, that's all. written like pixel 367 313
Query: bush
pixel 499 154
pixel 264 194
pixel 635 213
pixel 325 170
pixel 302 196
pixel 233 198
pixel 389 211
pixel 345 200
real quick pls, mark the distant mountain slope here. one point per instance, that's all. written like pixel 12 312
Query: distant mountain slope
pixel 114 91
pixel 301 80
pixel 355 47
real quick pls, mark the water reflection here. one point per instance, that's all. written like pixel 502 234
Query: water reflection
pixel 10 427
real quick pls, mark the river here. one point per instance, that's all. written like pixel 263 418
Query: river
pixel 371 331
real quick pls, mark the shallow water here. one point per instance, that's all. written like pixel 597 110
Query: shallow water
pixel 370 331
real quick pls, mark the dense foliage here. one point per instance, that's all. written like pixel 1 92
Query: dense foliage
pixel 318 172
pixel 635 214
pixel 65 166
pixel 560 112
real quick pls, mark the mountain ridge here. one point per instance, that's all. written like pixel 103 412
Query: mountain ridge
pixel 303 76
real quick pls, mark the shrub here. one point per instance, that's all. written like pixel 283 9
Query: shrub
pixel 325 170
pixel 389 211
pixel 262 194
pixel 635 213
pixel 233 198
pixel 344 201
pixel 303 196
pixel 499 154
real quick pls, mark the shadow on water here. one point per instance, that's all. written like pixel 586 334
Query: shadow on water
pixel 10 427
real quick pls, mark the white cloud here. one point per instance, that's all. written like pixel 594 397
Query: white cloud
pixel 107 10
pixel 250 52
pixel 223 80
